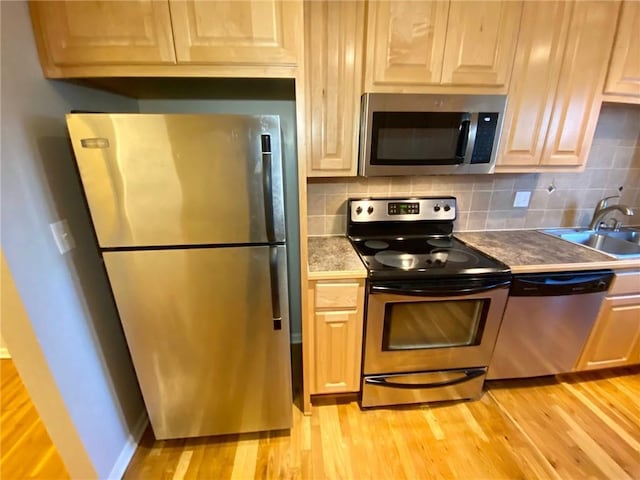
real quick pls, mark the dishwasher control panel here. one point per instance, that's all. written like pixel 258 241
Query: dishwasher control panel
pixel 561 283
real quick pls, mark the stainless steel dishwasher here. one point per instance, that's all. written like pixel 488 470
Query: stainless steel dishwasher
pixel 546 322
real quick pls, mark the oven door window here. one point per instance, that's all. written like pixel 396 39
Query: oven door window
pixel 435 324
pixel 419 138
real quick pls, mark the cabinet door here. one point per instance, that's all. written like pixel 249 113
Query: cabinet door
pixel 405 43
pixel 624 70
pixel 536 71
pixel 333 55
pixel 579 92
pixel 255 32
pixel 335 336
pixel 615 338
pixel 338 340
pixel 103 32
pixel 481 41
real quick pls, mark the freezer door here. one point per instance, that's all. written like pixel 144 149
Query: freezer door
pixel 209 355
pixel 154 180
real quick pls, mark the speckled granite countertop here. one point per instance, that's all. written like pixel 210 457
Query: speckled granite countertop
pixel 334 257
pixel 532 251
pixel 525 251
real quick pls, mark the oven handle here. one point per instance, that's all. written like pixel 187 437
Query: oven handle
pixel 438 290
pixel 465 377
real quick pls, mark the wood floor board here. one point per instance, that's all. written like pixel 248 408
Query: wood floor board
pixel 25 446
pixel 578 426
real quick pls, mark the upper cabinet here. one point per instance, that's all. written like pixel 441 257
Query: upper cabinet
pixel 103 33
pixel 137 38
pixel 256 32
pixel 623 78
pixel 333 56
pixel 414 46
pixel 556 85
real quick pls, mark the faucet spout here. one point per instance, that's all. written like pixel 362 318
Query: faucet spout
pixel 599 214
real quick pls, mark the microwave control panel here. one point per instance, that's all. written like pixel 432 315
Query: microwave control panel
pixel 485 137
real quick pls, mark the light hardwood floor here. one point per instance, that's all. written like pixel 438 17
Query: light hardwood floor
pixel 25 447
pixel 573 427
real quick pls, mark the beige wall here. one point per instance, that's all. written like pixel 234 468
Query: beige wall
pixel 485 201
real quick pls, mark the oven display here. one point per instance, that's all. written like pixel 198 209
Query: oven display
pixel 403 208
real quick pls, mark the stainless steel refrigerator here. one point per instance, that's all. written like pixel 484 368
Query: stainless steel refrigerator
pixel 188 211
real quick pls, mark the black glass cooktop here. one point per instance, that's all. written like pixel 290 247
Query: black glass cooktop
pixel 418 257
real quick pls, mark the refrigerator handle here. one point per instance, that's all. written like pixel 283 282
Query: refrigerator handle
pixel 267 187
pixel 275 288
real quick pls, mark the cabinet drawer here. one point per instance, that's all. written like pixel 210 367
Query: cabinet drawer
pixel 336 295
pixel 625 283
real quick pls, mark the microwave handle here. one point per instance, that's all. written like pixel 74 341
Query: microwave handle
pixel 463 139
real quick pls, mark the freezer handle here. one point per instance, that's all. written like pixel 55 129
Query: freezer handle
pixel 267 186
pixel 275 288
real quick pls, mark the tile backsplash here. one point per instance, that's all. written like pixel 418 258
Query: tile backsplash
pixel 485 202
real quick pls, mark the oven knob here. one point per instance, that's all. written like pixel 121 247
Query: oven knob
pixel 447 208
pixel 436 208
pixel 370 210
pixel 358 210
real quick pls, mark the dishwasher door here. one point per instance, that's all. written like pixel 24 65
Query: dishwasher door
pixel 546 323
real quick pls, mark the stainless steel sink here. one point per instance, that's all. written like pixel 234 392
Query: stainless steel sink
pixel 623 243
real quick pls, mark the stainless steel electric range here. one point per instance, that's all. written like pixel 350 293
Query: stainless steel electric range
pixel 434 304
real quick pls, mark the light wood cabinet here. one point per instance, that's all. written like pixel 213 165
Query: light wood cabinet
pixel 615 338
pixel 102 33
pixel 555 90
pixel 334 35
pixel 413 46
pixel 336 335
pixel 258 32
pixel 252 38
pixel 623 78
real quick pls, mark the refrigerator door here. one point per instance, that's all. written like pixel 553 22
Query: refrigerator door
pixel 209 355
pixel 155 180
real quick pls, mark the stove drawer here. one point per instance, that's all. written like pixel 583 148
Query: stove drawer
pixel 396 389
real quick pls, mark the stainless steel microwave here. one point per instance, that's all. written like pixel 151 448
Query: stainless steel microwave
pixel 420 134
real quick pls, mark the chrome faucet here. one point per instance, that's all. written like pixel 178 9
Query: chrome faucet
pixel 603 209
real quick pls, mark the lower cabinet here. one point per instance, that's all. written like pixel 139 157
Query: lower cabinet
pixel 336 335
pixel 615 338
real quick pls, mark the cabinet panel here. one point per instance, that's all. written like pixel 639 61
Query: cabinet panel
pixel 405 43
pixel 536 71
pixel 615 338
pixel 253 32
pixel 103 32
pixel 337 295
pixel 481 41
pixel 333 55
pixel 337 348
pixel 578 96
pixel 624 70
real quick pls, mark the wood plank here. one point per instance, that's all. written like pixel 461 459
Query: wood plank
pixel 583 425
pixel 26 448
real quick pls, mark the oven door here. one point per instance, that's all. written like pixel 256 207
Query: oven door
pixel 437 326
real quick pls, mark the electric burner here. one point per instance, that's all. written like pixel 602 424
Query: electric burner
pixel 412 238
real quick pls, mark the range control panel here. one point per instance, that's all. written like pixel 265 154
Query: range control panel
pixel 403 209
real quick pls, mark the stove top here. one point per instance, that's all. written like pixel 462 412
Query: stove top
pixel 411 239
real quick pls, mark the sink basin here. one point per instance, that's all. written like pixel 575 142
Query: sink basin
pixel 623 243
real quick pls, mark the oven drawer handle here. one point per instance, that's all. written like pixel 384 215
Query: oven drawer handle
pixel 438 290
pixel 466 376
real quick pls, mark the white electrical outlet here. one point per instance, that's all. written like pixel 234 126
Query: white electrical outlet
pixel 62 236
pixel 522 199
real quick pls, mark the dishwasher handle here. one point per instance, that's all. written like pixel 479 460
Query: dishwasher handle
pixel 564 283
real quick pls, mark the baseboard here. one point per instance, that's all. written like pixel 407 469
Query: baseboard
pixel 296 338
pixel 4 353
pixel 130 447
